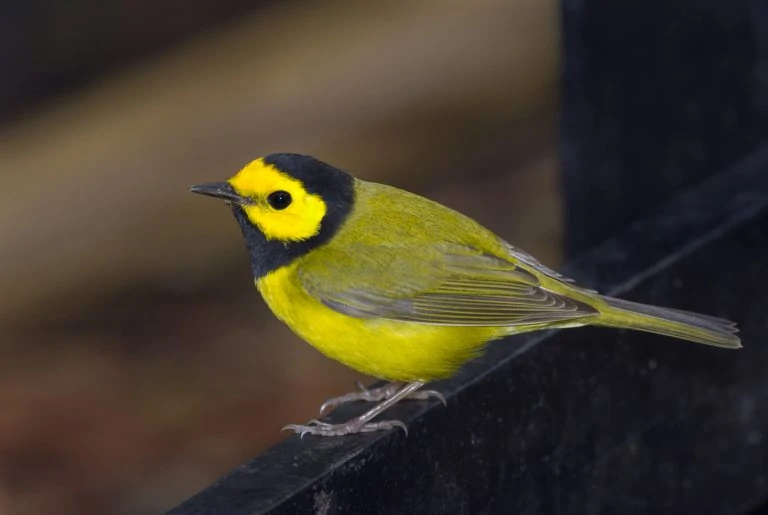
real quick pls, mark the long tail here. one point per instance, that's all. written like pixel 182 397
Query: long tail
pixel 670 322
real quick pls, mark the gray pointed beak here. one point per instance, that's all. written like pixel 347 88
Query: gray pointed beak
pixel 221 190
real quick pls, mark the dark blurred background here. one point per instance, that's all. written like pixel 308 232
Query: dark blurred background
pixel 138 362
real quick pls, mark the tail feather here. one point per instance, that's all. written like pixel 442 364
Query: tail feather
pixel 685 325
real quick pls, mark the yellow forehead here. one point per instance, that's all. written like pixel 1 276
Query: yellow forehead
pixel 299 221
pixel 258 179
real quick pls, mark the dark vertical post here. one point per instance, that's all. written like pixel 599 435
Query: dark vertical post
pixel 657 95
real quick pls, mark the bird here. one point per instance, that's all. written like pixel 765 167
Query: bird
pixel 402 288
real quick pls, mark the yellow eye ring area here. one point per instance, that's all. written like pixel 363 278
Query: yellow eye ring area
pixel 281 207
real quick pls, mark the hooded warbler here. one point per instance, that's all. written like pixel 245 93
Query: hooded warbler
pixel 401 288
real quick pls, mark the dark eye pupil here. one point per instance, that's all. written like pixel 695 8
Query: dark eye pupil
pixel 279 199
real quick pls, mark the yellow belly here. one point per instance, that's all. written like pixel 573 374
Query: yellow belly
pixel 387 349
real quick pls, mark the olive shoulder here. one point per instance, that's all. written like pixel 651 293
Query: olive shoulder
pixel 384 214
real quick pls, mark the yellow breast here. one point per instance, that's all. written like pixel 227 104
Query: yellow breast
pixel 387 349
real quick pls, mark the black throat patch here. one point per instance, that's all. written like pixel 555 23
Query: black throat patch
pixel 335 187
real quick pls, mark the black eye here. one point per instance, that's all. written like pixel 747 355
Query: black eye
pixel 279 199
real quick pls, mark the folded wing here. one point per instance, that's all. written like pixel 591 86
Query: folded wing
pixel 448 284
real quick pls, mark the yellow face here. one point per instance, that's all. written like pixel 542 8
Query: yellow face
pixel 280 206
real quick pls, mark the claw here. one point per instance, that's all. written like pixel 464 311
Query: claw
pixel 298 429
pixel 327 404
pixel 391 424
pixel 427 394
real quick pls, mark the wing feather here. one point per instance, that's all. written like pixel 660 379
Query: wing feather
pixel 458 285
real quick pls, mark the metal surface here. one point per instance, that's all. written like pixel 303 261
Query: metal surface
pixel 657 96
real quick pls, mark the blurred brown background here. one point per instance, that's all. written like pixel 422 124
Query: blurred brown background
pixel 138 362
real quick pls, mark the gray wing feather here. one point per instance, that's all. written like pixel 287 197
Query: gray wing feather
pixel 540 267
pixel 459 286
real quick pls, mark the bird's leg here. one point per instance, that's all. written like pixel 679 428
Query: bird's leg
pixel 377 394
pixel 361 424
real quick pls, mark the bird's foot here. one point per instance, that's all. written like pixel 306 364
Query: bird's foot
pixel 363 424
pixel 356 425
pixel 377 394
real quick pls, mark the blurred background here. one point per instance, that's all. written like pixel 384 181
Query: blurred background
pixel 138 362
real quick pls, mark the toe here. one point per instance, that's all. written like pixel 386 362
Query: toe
pixel 384 425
